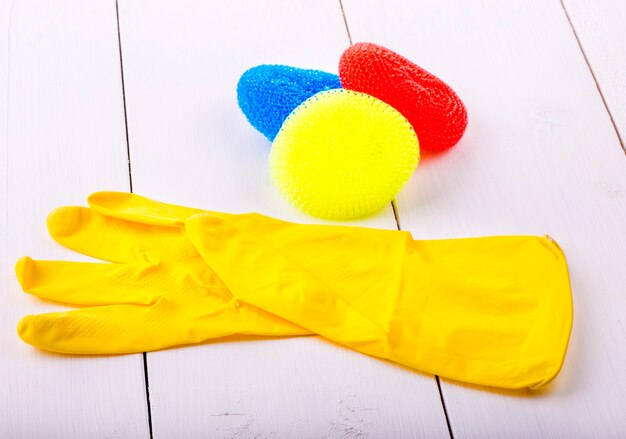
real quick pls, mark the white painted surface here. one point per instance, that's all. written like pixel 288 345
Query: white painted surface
pixel 62 136
pixel 600 25
pixel 540 157
pixel 191 145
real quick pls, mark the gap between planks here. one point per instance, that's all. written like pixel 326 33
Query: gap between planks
pixel 130 181
pixel 593 75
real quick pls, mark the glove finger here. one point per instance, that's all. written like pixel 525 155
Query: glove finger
pixel 115 329
pixel 114 240
pixel 131 207
pixel 91 284
pixel 135 208
pixel 124 329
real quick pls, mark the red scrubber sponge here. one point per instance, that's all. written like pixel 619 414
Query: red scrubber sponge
pixel 430 105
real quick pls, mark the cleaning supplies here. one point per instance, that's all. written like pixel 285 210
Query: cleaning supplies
pixel 342 155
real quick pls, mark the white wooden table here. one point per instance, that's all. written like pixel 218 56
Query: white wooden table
pixel 141 95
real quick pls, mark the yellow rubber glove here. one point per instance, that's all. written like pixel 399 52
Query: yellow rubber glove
pixel 495 311
pixel 157 293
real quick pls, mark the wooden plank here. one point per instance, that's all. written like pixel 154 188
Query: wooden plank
pixel 61 136
pixel 599 26
pixel 191 145
pixel 540 157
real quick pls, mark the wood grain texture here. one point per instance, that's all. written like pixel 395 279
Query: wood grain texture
pixel 191 145
pixel 540 156
pixel 62 136
pixel 599 26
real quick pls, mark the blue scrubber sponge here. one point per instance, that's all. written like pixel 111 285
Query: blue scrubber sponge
pixel 267 94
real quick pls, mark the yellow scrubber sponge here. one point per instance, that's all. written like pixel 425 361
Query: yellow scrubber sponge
pixel 343 154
